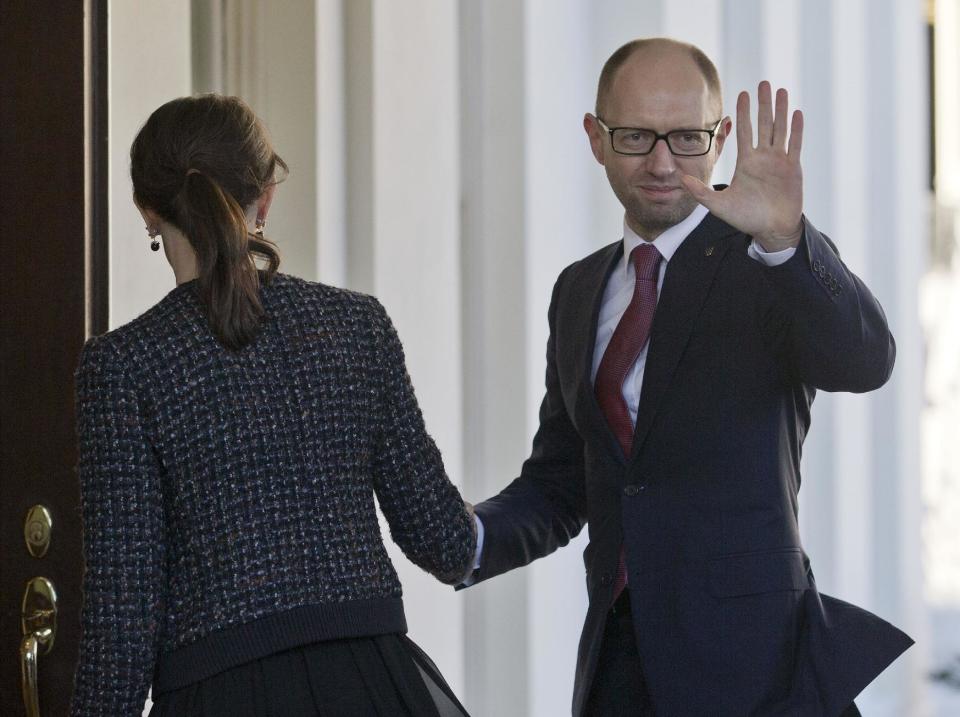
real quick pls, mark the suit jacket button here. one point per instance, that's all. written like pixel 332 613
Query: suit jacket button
pixel 605 579
pixel 631 490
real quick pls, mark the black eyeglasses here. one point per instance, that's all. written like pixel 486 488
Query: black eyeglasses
pixel 681 142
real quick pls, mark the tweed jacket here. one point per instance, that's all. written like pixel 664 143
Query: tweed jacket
pixel 228 496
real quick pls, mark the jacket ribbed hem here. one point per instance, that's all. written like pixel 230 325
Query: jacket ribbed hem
pixel 234 646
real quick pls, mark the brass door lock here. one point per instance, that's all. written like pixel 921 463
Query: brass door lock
pixel 37 529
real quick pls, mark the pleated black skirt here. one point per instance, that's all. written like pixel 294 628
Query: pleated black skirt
pixel 382 676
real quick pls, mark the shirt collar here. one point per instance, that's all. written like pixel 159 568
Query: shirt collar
pixel 668 242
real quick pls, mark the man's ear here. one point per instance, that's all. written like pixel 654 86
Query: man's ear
pixel 726 127
pixel 595 133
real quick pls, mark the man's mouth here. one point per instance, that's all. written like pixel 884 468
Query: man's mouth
pixel 658 191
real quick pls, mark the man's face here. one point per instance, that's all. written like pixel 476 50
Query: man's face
pixel 662 91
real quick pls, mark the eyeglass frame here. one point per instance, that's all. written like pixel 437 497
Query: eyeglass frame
pixel 665 137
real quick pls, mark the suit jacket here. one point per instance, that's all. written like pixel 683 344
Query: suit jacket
pixel 727 616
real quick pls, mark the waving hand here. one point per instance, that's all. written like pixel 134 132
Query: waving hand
pixel 765 196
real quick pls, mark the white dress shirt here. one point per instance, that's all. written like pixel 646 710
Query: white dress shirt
pixel 617 296
pixel 620 286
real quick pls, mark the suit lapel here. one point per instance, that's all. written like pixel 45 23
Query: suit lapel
pixel 585 317
pixel 685 287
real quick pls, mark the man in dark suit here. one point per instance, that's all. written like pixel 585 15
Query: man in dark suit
pixel 681 366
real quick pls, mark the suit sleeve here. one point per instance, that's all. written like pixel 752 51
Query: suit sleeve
pixel 545 507
pixel 123 540
pixel 424 509
pixel 826 325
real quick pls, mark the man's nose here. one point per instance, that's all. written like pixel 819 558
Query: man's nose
pixel 660 160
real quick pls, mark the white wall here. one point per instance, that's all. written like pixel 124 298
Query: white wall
pixel 140 81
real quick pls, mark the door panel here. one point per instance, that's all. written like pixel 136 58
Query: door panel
pixel 53 203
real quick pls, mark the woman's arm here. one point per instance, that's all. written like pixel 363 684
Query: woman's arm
pixel 123 539
pixel 426 514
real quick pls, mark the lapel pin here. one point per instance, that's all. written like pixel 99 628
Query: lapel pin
pixel 709 251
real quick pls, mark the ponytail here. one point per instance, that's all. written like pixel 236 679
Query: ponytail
pixel 228 282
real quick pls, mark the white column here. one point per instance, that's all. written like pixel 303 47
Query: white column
pixel 358 54
pixel 818 59
pixel 896 245
pixel 853 471
pixel 271 63
pixel 493 261
pixel 403 217
pixel 207 40
pixel 741 66
pixel 699 22
pixel 560 228
pixel 331 138
pixel 782 46
pixel 138 85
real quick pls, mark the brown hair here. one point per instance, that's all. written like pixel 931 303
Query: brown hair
pixel 618 58
pixel 199 162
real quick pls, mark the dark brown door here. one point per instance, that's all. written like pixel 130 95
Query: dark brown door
pixel 53 294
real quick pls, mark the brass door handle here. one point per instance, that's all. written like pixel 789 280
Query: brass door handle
pixel 28 669
pixel 38 621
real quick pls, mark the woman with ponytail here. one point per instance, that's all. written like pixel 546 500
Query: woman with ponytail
pixel 232 440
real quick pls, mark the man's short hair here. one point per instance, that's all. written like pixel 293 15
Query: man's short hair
pixel 618 58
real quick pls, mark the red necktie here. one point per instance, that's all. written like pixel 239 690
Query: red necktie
pixel 625 345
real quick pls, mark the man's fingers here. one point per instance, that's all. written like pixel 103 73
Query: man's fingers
pixel 796 134
pixel 780 120
pixel 764 115
pixel 744 127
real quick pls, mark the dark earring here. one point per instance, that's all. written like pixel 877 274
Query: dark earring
pixel 261 223
pixel 154 233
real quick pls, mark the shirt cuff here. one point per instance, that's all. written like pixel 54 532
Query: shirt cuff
pixel 469 579
pixel 769 258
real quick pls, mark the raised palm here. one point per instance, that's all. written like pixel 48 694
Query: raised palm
pixel 765 196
